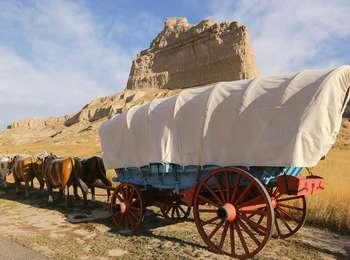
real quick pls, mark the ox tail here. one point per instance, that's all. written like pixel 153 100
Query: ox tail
pixel 83 186
pixel 102 172
pixel 77 168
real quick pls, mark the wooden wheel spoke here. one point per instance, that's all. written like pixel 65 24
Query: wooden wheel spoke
pixel 277 225
pixel 122 216
pixel 127 193
pixel 122 191
pixel 228 186
pixel 218 200
pixel 235 188
pixel 119 198
pixel 183 211
pixel 133 202
pixel 287 215
pixel 255 226
pixel 252 215
pixel 290 198
pixel 210 221
pixel 135 209
pixel 167 210
pixel 208 201
pixel 232 238
pixel 244 193
pixel 223 235
pixel 208 210
pixel 284 222
pixel 218 226
pixel 172 212
pixel 132 214
pixel 275 192
pixel 289 206
pixel 177 212
pixel 241 238
pixel 278 195
pixel 219 188
pixel 131 220
pixel 126 221
pixel 260 219
pixel 131 194
pixel 249 232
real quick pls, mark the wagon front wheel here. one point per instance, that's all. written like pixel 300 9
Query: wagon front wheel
pixel 290 212
pixel 233 212
pixel 127 207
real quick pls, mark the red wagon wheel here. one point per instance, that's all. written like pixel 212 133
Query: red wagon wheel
pixel 233 212
pixel 175 209
pixel 290 212
pixel 127 207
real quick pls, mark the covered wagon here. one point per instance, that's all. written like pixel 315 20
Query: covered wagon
pixel 232 151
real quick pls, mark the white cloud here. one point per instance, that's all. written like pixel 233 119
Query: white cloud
pixel 290 35
pixel 54 59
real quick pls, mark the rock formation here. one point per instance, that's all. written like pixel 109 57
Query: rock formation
pixel 37 123
pixel 183 55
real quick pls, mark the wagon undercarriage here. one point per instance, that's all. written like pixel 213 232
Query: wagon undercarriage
pixel 235 214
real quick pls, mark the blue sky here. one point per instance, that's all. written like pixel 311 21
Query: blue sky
pixel 55 56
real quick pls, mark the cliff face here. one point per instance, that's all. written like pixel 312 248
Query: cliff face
pixel 183 55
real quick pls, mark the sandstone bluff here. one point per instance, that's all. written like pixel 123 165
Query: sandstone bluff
pixel 183 55
pixel 180 56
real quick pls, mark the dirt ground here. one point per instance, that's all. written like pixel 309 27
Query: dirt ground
pixel 44 228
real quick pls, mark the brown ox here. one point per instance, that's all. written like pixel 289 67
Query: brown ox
pixel 25 169
pixel 60 173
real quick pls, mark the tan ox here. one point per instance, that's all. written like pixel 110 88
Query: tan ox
pixel 60 173
pixel 25 169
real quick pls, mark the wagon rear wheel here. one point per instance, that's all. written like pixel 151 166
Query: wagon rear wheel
pixel 233 213
pixel 175 209
pixel 127 207
pixel 290 212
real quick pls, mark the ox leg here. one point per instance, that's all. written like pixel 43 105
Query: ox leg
pixel 4 184
pixel 26 188
pixel 108 194
pixel 17 184
pixel 93 198
pixel 49 189
pixel 85 197
pixel 65 196
pixel 41 182
pixel 75 191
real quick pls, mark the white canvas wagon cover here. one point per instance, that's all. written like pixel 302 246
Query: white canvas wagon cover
pixel 286 120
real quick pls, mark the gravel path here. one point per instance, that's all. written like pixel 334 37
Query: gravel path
pixel 11 250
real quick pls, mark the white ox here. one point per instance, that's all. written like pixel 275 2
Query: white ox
pixel 4 169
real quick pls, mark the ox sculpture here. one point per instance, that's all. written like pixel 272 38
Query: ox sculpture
pixel 61 173
pixel 25 169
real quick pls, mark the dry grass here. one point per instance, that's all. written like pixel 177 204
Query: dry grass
pixel 331 208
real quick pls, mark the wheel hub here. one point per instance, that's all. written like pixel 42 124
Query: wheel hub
pixel 227 212
pixel 274 202
pixel 122 207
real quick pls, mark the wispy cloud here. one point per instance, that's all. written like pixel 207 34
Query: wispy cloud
pixel 57 55
pixel 55 58
pixel 292 35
